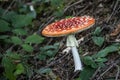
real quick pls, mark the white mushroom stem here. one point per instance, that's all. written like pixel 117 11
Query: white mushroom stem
pixel 72 42
pixel 67 50
pixel 77 61
pixel 32 8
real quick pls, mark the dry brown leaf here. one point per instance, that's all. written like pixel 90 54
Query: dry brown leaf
pixel 116 31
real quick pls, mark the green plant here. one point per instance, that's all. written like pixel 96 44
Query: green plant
pixel 12 68
pixel 48 51
pixel 97 38
pixel 56 6
pixel 19 44
pixel 18 41
pixel 86 73
pixel 98 59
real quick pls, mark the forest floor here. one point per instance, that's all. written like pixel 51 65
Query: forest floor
pixel 107 28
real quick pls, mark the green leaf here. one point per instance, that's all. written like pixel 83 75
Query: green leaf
pixel 7 63
pixel 101 59
pixel 44 70
pixel 28 70
pixel 98 40
pixel 41 56
pixel 1 11
pixel 94 65
pixel 49 50
pixel 34 39
pixel 9 16
pixel 9 68
pixel 3 36
pixel 20 31
pixel 106 51
pixel 19 69
pixel 67 17
pixel 27 47
pixel 119 52
pixel 16 40
pixel 7 41
pixel 86 73
pixel 59 13
pixel 101 64
pixel 23 8
pixel 10 75
pixel 4 26
pixel 13 55
pixel 50 53
pixel 56 3
pixel 21 20
pixel 89 61
pixel 97 31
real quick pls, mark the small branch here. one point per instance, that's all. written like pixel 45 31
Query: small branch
pixel 49 19
pixel 98 69
pixel 118 72
pixel 113 11
pixel 8 7
pixel 72 5
pixel 55 61
pixel 105 72
pixel 66 50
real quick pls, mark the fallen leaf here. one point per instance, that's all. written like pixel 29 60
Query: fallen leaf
pixel 116 31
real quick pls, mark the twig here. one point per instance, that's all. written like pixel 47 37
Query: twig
pixel 72 5
pixel 114 63
pixel 55 61
pixel 116 41
pixel 105 72
pixel 113 11
pixel 82 10
pixel 8 7
pixel 1 50
pixel 74 75
pixel 67 78
pixel 51 18
pixel 118 72
pixel 95 73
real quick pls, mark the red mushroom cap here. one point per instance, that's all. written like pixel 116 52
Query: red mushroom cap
pixel 68 26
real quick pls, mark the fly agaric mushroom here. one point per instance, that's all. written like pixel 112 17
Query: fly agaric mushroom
pixel 69 27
